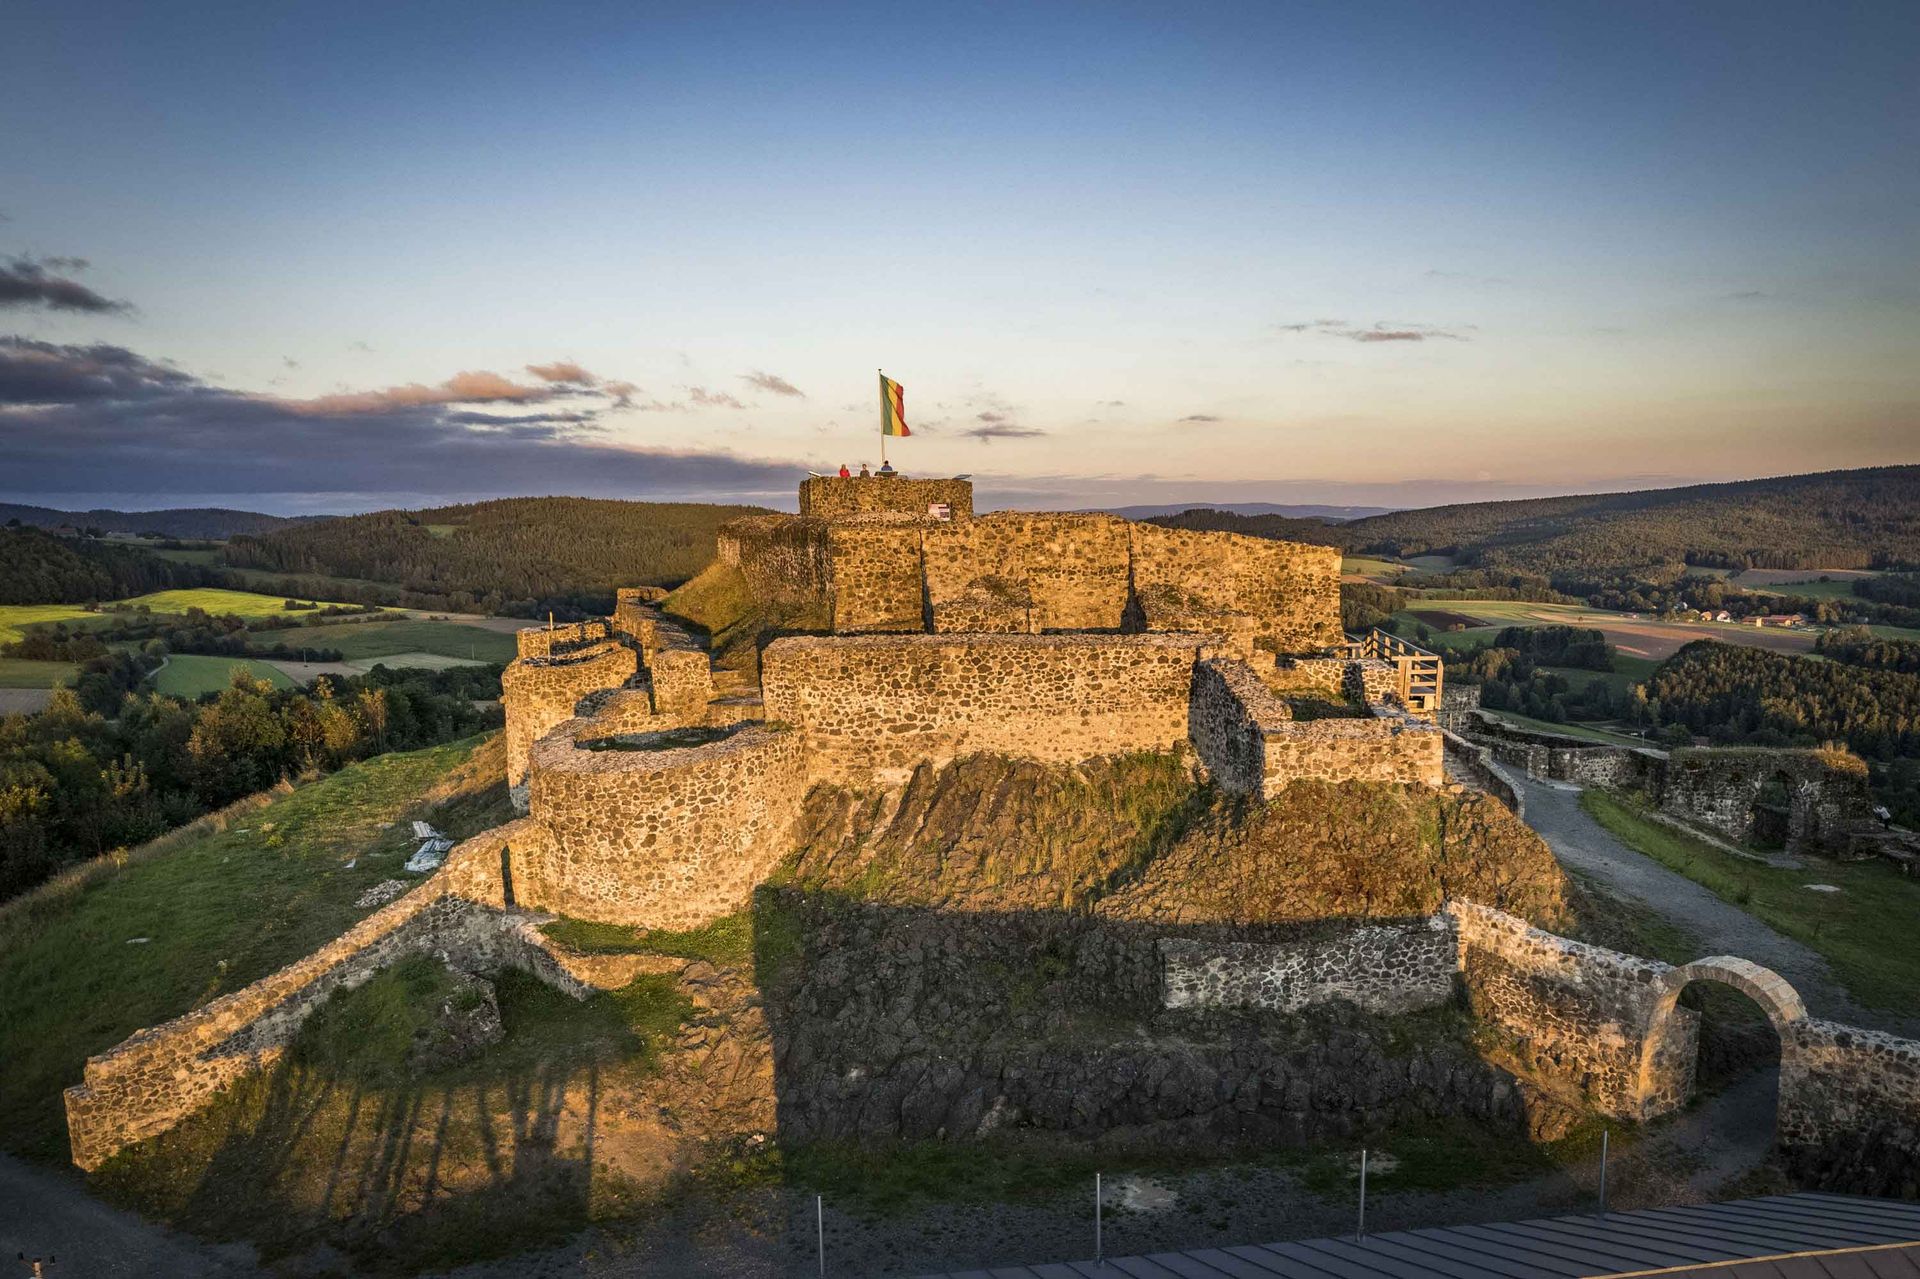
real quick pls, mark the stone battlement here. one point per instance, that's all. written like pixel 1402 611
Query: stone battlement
pixel 833 496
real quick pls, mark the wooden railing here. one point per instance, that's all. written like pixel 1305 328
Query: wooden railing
pixel 1419 673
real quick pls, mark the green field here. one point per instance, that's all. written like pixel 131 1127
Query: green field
pixel 1585 732
pixel 1865 931
pixel 217 601
pixel 14 618
pixel 18 672
pixel 359 640
pixel 189 675
pixel 1368 566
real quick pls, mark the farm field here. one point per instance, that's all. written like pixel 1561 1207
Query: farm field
pixel 14 618
pixel 1586 732
pixel 1805 581
pixel 1642 637
pixel 366 640
pixel 190 675
pixel 1367 568
pixel 18 672
pixel 217 600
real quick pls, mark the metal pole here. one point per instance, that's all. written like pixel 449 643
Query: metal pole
pixel 1361 1233
pixel 1603 1172
pixel 1099 1252
pixel 820 1231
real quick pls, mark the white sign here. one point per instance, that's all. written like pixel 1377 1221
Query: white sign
pixel 939 511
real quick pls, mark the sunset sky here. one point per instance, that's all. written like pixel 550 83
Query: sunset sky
pixel 342 256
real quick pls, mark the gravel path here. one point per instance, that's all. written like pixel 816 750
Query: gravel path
pixel 1581 843
pixel 44 1212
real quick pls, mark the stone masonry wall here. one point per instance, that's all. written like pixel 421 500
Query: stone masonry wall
pixel 831 497
pixel 541 692
pixel 881 703
pixel 1380 967
pixel 877 582
pixel 1717 787
pixel 1850 1108
pixel 1229 718
pixel 667 837
pixel 544 641
pixel 1292 588
pixel 1575 1014
pixel 783 559
pixel 1073 566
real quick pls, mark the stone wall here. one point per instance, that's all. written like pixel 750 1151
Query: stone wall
pixel 539 692
pixel 1717 788
pixel 633 614
pixel 1850 1108
pixel 1568 759
pixel 1577 1015
pixel 1475 765
pixel 1291 588
pixel 545 641
pixel 877 579
pixel 1251 744
pixel 831 497
pixel 1394 967
pixel 1074 567
pixel 864 704
pixel 645 831
pixel 783 559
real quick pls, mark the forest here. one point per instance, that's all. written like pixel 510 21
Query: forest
pixel 105 766
pixel 517 556
pixel 1755 696
pixel 1858 646
pixel 37 567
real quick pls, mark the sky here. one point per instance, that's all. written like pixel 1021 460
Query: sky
pixel 339 257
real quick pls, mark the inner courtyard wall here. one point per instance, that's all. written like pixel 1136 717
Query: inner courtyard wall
pixel 1074 567
pixel 1291 588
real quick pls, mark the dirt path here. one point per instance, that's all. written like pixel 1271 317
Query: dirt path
pixel 1553 809
pixel 48 1213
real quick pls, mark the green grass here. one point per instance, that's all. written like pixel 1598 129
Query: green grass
pixel 1865 931
pixel 222 909
pixel 190 675
pixel 15 618
pixel 367 640
pixel 1370 567
pixel 207 556
pixel 1585 732
pixel 18 672
pixel 726 941
pixel 217 601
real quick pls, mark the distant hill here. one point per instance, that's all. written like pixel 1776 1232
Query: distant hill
pixel 1283 528
pixel 189 522
pixel 1335 514
pixel 497 556
pixel 38 568
pixel 1835 519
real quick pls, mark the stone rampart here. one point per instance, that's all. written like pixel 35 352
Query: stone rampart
pixel 1825 791
pixel 1577 1015
pixel 1291 588
pixel 1850 1108
pixel 1475 763
pixel 1074 567
pixel 541 692
pixel 547 641
pixel 865 704
pixel 833 497
pixel 649 831
pixel 783 559
pixel 877 576
pixel 1395 967
pixel 1230 718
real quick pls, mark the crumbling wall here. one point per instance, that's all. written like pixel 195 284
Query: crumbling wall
pixel 1717 787
pixel 539 692
pixel 869 703
pixel 1074 567
pixel 832 497
pixel 1292 588
pixel 783 558
pixel 1392 967
pixel 653 833
pixel 682 684
pixel 877 582
pixel 1576 1015
pixel 1850 1108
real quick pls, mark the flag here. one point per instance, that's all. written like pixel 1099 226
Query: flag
pixel 893 407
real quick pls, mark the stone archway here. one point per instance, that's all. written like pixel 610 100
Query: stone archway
pixel 1665 1077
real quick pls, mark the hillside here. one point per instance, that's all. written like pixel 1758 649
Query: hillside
pixel 1836 519
pixel 493 555
pixel 38 568
pixel 189 522
pixel 1285 528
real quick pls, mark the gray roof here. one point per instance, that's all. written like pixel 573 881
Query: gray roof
pixel 1805 1236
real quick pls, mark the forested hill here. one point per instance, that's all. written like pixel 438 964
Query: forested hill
pixel 493 555
pixel 38 568
pixel 1835 519
pixel 1285 528
pixel 191 522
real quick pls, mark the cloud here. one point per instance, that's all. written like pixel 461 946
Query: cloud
pixel 997 426
pixel 1200 417
pixel 563 371
pixel 1379 331
pixel 103 419
pixel 701 398
pixel 764 381
pixel 27 282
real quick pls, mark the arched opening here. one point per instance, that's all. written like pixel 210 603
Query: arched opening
pixel 1721 1028
pixel 1770 816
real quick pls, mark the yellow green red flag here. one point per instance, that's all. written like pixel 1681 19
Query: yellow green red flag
pixel 893 407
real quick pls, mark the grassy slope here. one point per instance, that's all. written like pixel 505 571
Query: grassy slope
pixel 216 601
pixel 220 910
pixel 18 672
pixel 1865 930
pixel 189 674
pixel 14 618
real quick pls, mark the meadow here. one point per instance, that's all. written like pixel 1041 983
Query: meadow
pixel 359 640
pixel 191 675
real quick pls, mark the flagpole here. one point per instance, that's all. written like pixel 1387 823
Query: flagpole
pixel 883 415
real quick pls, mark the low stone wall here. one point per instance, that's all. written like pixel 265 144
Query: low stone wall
pixel 1850 1108
pixel 783 559
pixel 1291 588
pixel 1718 787
pixel 545 641
pixel 1577 1015
pixel 1320 676
pixel 669 837
pixel 1380 967
pixel 156 1077
pixel 832 497
pixel 865 704
pixel 1477 765
pixel 539 693
pixel 1231 716
pixel 1568 759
